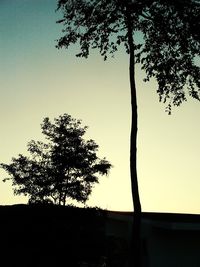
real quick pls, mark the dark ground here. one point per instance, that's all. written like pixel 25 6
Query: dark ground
pixel 36 235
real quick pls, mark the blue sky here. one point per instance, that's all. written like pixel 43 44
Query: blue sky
pixel 37 80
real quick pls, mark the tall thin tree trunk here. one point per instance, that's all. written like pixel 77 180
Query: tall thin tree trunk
pixel 135 252
pixel 64 198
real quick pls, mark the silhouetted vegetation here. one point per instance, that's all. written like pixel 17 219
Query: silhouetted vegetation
pixel 167 51
pixel 64 168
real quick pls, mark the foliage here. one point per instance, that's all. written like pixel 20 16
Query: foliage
pixel 65 167
pixel 169 47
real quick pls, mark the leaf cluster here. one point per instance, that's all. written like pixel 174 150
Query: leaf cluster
pixel 171 47
pixel 93 24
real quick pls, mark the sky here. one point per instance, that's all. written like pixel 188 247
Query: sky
pixel 38 80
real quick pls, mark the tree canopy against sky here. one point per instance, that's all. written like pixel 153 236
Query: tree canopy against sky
pixel 168 45
pixel 65 168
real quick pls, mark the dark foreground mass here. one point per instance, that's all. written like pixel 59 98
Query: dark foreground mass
pixel 36 235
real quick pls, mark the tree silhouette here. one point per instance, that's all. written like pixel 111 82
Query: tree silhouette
pixel 65 167
pixel 167 52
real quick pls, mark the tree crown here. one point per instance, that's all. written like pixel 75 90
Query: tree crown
pixel 65 167
pixel 170 44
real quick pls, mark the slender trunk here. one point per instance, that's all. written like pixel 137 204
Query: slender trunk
pixel 60 198
pixel 64 199
pixel 134 129
pixel 135 253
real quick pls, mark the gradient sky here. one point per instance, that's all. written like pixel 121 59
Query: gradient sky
pixel 37 80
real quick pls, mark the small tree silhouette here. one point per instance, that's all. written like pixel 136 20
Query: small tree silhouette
pixel 65 167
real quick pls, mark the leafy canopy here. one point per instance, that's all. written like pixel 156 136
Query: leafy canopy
pixel 169 49
pixel 65 167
